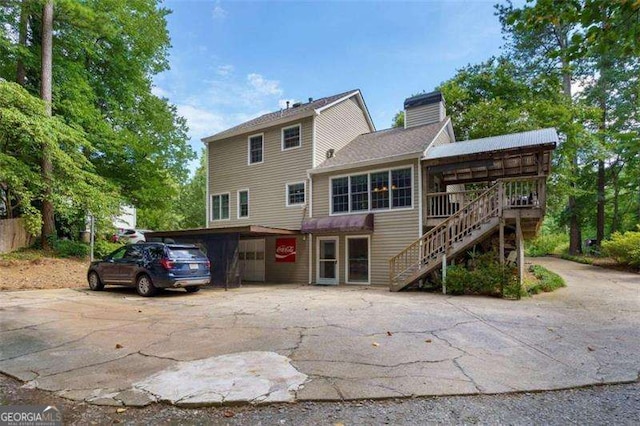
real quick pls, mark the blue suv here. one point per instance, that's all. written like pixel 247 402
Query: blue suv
pixel 151 266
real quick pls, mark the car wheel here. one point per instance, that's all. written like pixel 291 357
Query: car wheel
pixel 145 286
pixel 94 281
pixel 192 289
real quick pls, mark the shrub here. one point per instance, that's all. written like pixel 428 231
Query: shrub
pixel 484 275
pixel 543 245
pixel 70 248
pixel 102 248
pixel 546 280
pixel 624 248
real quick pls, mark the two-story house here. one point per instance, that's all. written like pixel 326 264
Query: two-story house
pixel 314 194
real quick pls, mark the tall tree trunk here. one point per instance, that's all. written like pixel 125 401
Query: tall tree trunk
pixel 575 229
pixel 615 220
pixel 48 222
pixel 21 73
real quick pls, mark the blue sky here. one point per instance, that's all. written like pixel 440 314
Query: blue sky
pixel 234 60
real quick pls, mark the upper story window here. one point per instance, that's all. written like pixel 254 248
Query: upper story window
pixel 383 190
pixel 291 137
pixel 243 204
pixel 256 149
pixel 220 206
pixel 296 193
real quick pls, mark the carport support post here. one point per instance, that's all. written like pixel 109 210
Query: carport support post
pixel 444 273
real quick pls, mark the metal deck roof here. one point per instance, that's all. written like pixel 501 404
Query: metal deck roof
pixel 495 143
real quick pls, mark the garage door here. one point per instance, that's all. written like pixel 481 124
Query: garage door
pixel 251 257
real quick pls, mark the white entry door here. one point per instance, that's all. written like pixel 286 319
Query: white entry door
pixel 327 254
pixel 251 257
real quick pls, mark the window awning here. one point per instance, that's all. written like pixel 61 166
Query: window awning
pixel 345 223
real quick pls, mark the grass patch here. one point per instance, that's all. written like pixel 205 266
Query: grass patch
pixel 584 259
pixel 26 253
pixel 543 280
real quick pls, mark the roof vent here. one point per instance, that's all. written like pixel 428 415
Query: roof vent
pixel 296 105
pixel 287 104
pixel 310 100
pixel 330 153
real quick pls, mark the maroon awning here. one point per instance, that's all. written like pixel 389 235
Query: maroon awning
pixel 344 223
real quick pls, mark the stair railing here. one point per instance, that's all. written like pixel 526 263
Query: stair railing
pixel 441 238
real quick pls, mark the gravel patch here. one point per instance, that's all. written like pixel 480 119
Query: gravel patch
pixel 595 405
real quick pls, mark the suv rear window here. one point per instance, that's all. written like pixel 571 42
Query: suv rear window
pixel 185 253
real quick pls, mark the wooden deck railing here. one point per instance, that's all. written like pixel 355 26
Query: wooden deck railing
pixel 445 204
pixel 505 194
pixel 437 241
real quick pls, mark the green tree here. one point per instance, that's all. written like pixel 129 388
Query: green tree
pixel 193 197
pixel 398 120
pixel 105 53
pixel 72 185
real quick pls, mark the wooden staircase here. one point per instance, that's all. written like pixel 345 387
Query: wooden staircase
pixel 471 224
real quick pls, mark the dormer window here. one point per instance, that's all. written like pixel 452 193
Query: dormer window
pixel 256 149
pixel 291 137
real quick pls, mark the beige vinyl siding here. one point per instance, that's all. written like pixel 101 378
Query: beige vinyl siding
pixel 337 126
pixel 424 114
pixel 288 273
pixel 394 230
pixel 229 171
pixel 442 138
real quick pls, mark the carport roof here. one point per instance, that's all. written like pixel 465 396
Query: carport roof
pixel 244 231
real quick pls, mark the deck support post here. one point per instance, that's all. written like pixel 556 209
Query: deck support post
pixel 502 241
pixel 520 248
pixel 444 274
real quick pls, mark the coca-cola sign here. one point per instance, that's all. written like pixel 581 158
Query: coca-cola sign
pixel 285 250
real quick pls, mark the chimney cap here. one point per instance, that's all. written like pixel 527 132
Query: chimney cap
pixel 423 99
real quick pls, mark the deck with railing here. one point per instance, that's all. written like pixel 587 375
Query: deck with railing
pixel 472 216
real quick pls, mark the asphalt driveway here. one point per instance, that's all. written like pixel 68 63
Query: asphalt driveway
pixel 285 343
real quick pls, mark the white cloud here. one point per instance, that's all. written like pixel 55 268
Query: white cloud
pixel 282 103
pixel 218 11
pixel 202 122
pixel 263 86
pixel 159 92
pixel 225 70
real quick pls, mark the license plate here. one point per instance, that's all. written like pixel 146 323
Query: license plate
pixel 193 266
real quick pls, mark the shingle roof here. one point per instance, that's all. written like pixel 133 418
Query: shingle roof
pixel 495 143
pixel 283 114
pixel 383 144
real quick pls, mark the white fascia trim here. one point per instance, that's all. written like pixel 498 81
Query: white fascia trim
pixel 310 199
pixel 360 99
pixel 374 162
pixel 420 206
pixel 207 204
pixel 258 128
pixel 314 162
pixel 446 125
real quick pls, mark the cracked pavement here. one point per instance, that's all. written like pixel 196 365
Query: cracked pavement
pixel 282 343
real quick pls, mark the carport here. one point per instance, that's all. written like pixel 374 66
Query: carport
pixel 220 245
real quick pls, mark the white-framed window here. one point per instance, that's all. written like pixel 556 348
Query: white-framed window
pixel 291 137
pixel 220 206
pixel 255 149
pixel 296 193
pixel 357 259
pixel 373 191
pixel 243 204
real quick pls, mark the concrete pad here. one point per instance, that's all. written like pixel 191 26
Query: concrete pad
pixel 249 377
pixel 282 343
